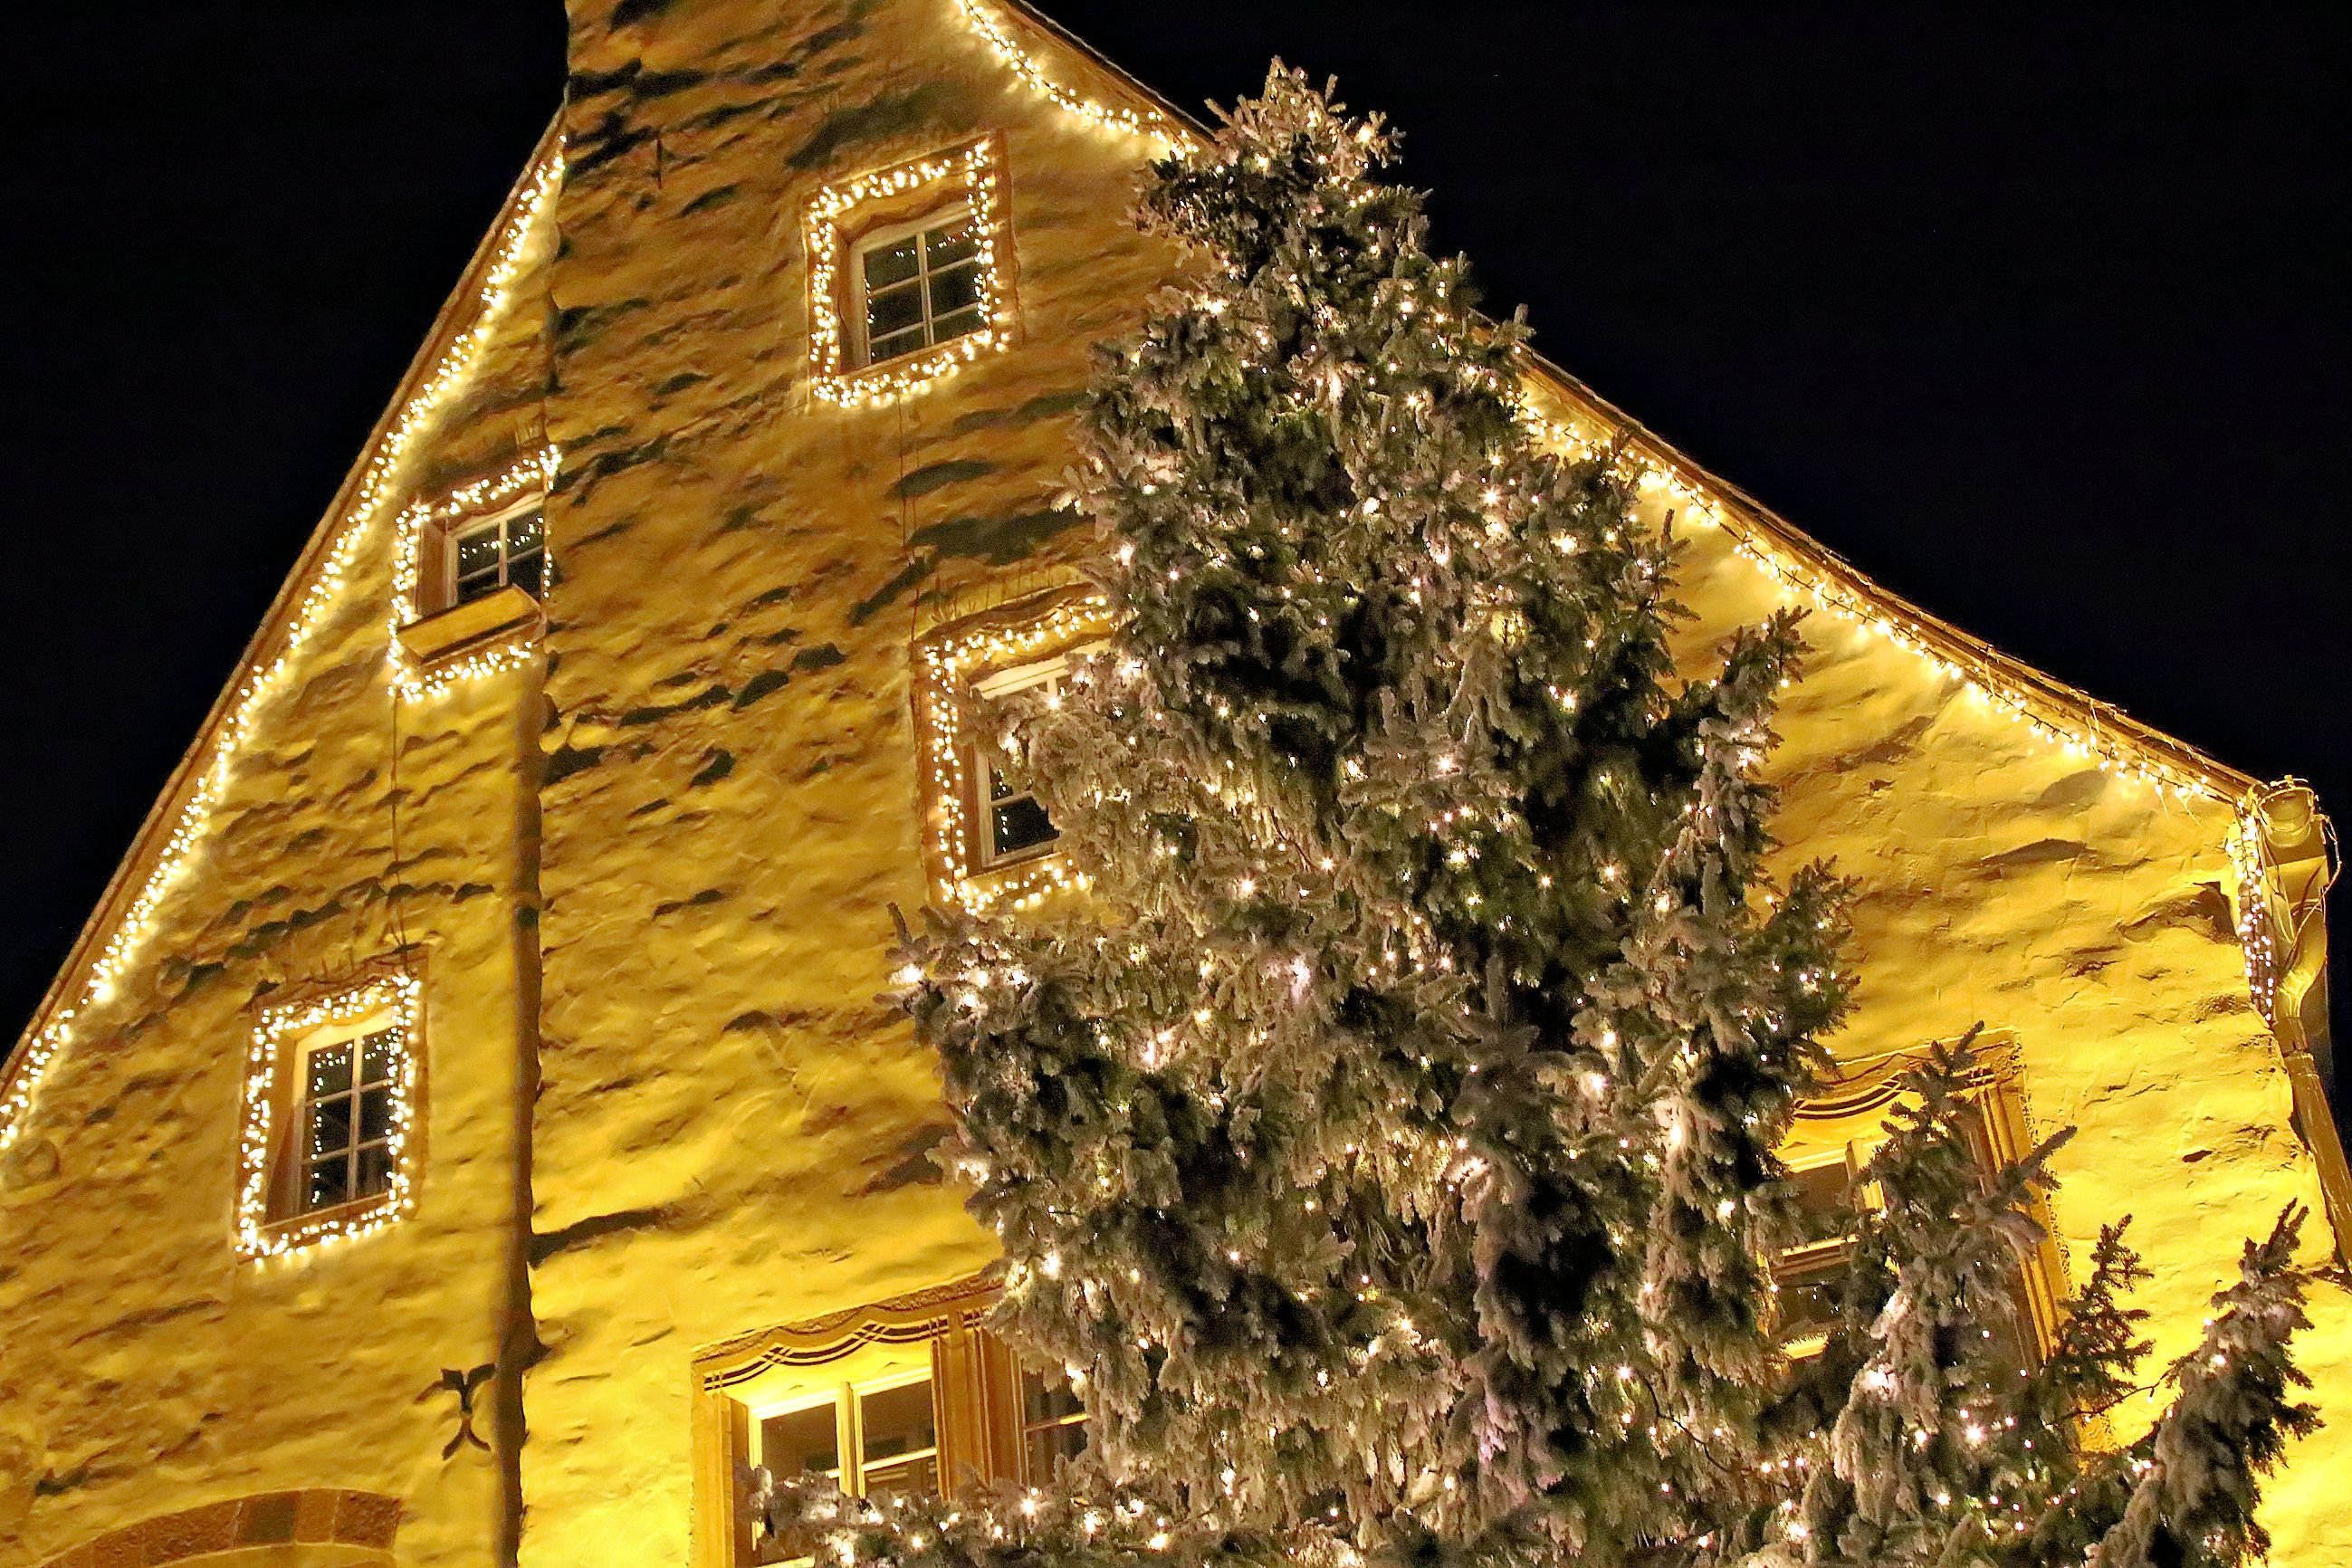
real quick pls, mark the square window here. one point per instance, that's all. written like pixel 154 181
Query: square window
pixel 906 274
pixel 919 284
pixel 329 1098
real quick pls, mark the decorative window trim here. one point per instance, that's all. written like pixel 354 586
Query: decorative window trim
pixel 974 175
pixel 395 995
pixel 1852 1106
pixel 946 665
pixel 434 650
pixel 975 1384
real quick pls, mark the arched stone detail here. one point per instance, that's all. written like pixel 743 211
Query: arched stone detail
pixel 266 1529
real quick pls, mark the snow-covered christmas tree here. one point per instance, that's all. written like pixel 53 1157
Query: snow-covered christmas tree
pixel 1384 1143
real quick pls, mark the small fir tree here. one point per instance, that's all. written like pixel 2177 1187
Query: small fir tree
pixel 1384 1144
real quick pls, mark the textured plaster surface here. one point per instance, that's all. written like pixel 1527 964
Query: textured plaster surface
pixel 143 1370
pixel 669 870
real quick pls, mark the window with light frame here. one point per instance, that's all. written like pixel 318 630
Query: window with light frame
pixel 328 1146
pixel 988 838
pixel 908 274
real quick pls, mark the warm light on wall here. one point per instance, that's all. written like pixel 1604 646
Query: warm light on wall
pixel 395 997
pixel 972 175
pixel 132 928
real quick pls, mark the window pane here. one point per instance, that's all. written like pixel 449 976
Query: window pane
pixel 946 246
pixel 1048 1448
pixel 329 1185
pixel 955 290
pixel 904 1478
pixel 477 551
pixel 956 325
pixel 377 1057
pixel 1043 1400
pixel 329 1131
pixel 331 1071
pixel 1823 1210
pixel 897 1421
pixel 472 589
pixel 1020 824
pixel 375 1171
pixel 526 571
pixel 801 1443
pixel 375 1113
pixel 1053 1425
pixel 904 342
pixel 892 263
pixel 894 311
pixel 525 533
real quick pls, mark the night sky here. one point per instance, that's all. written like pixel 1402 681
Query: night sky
pixel 2041 314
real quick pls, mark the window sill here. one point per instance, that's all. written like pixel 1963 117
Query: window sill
pixel 295 1232
pixel 1019 881
pixel 468 626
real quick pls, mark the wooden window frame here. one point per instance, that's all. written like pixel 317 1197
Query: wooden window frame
pixel 449 533
pixel 841 220
pixel 1849 1112
pixel 294 1160
pixel 954 666
pixel 988 691
pixel 936 1333
pixel 437 642
pixel 859 316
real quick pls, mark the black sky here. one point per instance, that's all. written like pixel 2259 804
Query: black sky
pixel 2037 313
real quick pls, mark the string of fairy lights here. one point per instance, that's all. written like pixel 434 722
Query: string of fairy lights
pixel 409 680
pixel 983 19
pixel 1842 595
pixel 974 174
pixel 133 928
pixel 945 670
pixel 391 1003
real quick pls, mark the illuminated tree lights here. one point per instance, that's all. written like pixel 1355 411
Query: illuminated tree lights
pixel 1386 1144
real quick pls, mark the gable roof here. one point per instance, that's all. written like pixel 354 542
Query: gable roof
pixel 109 941
pixel 1054 62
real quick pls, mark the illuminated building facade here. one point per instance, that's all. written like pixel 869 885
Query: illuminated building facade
pixel 466 1132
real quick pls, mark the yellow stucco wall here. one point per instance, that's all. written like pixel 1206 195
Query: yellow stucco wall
pixel 143 1370
pixel 654 868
